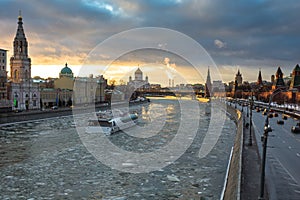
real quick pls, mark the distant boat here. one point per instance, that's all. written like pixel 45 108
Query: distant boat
pixel 106 114
pixel 139 100
pixel 109 126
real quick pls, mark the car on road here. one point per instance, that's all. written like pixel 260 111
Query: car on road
pixel 270 115
pixel 264 113
pixel 54 107
pixel 284 117
pixel 275 114
pixel 281 122
pixel 296 129
pixel 18 110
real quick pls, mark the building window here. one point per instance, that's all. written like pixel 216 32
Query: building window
pixel 16 74
pixel 26 74
pixel 34 102
pixel 20 47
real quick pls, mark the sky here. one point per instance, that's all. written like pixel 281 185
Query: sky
pixel 246 34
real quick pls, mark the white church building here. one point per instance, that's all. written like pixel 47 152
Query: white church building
pixel 139 82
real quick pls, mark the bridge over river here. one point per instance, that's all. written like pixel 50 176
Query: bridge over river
pixel 170 92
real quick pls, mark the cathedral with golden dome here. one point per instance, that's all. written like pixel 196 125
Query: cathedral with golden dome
pixel 138 81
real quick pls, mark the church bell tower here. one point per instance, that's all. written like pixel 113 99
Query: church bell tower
pixel 20 63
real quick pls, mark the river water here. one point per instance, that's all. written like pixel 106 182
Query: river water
pixel 48 159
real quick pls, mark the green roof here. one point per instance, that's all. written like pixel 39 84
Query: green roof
pixel 297 68
pixel 66 70
pixel 295 82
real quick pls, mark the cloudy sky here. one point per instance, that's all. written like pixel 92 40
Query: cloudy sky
pixel 244 34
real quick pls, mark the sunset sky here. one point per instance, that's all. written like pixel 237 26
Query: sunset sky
pixel 241 34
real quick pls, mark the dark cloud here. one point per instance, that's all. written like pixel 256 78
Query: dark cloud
pixel 260 31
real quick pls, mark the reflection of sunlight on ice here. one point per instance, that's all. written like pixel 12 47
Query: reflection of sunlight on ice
pixel 154 118
pixel 170 108
pixel 145 114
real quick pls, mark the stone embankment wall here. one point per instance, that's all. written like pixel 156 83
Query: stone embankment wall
pixel 32 115
pixel 11 117
pixel 232 185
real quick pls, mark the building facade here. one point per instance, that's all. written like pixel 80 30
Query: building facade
pixel 4 99
pixel 24 94
pixel 89 90
pixel 3 75
pixel 65 80
pixel 218 86
pixel 138 82
pixel 68 90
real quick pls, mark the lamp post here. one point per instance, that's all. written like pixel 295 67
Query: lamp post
pixel 267 129
pixel 250 124
pixel 248 108
pixel 235 99
pixel 294 90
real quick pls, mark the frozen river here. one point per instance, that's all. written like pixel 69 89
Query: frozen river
pixel 47 159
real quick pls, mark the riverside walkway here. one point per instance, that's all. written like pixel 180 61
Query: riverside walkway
pixel 246 186
pixel 282 179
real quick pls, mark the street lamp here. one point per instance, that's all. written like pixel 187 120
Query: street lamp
pixel 235 99
pixel 250 130
pixel 267 129
pixel 248 108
